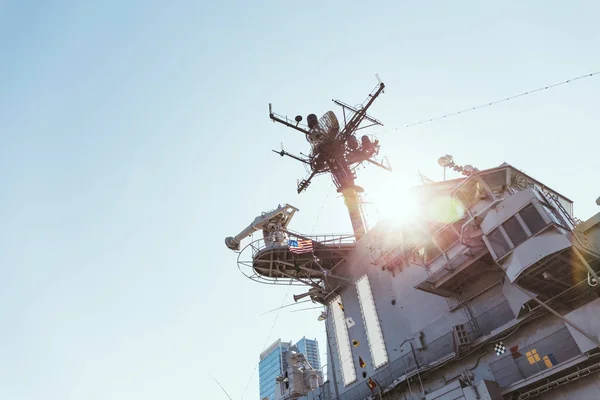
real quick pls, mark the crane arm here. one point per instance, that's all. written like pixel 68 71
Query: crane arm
pixel 269 221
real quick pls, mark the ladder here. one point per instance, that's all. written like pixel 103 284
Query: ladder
pixel 558 204
pixel 460 292
pixel 573 221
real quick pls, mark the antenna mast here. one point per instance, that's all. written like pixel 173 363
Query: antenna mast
pixel 336 150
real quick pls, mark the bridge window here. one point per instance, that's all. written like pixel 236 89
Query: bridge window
pixel 497 180
pixel 447 238
pixel 439 243
pixel 371 320
pixel 514 231
pixel 533 219
pixel 428 252
pixel 469 193
pixel 498 242
pixel 518 228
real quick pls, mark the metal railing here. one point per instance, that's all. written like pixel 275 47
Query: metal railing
pixel 438 349
pixel 432 353
pixel 539 356
pixel 494 318
pixel 326 237
pixel 248 254
pixel 463 256
pixel 330 240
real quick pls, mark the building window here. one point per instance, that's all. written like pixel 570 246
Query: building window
pixel 343 341
pixel 429 252
pixel 498 243
pixel 447 238
pixel 514 231
pixel 533 219
pixel 371 320
pixel 469 193
pixel 518 228
pixel 497 180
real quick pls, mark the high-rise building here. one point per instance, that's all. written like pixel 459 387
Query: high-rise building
pixel 310 348
pixel 273 363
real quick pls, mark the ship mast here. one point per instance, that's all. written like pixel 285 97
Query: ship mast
pixel 337 151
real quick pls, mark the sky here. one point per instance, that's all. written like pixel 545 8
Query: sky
pixel 134 137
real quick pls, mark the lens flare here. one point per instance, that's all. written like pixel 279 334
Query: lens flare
pixel 399 207
pixel 394 200
pixel 398 200
pixel 443 209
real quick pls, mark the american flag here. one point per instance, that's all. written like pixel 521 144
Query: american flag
pixel 300 246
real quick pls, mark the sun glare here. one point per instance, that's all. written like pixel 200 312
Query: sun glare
pixel 444 209
pixel 394 200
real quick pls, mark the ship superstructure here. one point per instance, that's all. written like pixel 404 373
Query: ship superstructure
pixel 489 292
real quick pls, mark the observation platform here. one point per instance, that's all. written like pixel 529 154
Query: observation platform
pixel 551 272
pixel 540 246
pixel 274 263
pixel 467 266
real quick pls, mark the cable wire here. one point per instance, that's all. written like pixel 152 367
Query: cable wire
pixel 223 389
pixel 287 305
pixel 309 308
pixel 321 211
pixel 502 100
pixel 268 338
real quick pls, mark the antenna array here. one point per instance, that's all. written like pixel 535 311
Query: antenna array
pixel 335 149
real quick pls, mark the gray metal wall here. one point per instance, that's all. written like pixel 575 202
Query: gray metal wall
pixel 415 311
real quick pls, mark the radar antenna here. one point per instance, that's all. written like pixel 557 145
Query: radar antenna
pixel 447 161
pixel 336 150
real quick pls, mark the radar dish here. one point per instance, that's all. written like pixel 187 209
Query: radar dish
pixel 327 129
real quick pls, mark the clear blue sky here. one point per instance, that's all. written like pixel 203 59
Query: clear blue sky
pixel 134 137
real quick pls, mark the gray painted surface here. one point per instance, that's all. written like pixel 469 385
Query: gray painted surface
pixel 495 312
pixel 433 316
pixel 588 319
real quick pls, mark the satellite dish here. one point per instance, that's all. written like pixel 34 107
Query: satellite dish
pixel 298 118
pixel 445 161
pixel 323 130
pixel 330 123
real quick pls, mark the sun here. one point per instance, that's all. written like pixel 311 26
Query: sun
pixel 394 199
